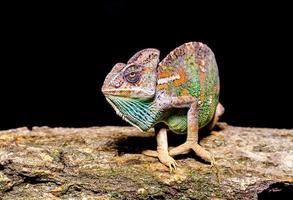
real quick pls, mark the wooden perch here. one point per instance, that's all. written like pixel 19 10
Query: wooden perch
pixel 105 163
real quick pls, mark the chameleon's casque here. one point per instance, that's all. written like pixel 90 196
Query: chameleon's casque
pixel 181 91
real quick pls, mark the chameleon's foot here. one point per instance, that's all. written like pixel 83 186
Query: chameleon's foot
pixel 164 158
pixel 188 146
pixel 167 160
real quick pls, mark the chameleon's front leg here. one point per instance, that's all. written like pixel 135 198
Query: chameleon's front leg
pixel 162 150
pixel 192 130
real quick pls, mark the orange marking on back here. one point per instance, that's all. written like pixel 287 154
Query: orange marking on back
pixel 202 77
pixel 163 86
pixel 164 74
pixel 184 92
pixel 182 78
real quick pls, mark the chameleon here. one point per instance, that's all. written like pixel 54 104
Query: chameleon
pixel 180 93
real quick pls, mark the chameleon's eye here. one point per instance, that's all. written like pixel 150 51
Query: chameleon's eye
pixel 132 74
pixel 132 77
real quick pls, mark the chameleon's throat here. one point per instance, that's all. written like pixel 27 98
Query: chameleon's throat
pixel 140 114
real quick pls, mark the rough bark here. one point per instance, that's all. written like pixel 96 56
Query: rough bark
pixel 105 163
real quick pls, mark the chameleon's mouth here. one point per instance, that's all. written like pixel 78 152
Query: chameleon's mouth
pixel 143 93
pixel 138 114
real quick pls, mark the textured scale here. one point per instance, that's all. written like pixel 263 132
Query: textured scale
pixel 195 73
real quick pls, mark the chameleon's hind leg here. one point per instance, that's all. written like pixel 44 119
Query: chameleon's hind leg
pixel 192 137
pixel 219 112
pixel 162 150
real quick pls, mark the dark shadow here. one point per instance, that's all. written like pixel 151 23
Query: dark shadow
pixel 135 144
pixel 203 133
pixel 280 190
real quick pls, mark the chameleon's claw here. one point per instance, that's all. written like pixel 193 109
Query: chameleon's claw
pixel 163 157
pixel 168 161
pixel 216 169
pixel 173 165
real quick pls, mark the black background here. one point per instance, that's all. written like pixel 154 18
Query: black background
pixel 55 57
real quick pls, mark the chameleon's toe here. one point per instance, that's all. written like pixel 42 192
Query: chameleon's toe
pixel 163 157
pixel 201 152
pixel 168 161
pixel 179 150
pixel 150 153
pixel 198 150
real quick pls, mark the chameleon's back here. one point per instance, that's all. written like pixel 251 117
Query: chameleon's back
pixel 190 69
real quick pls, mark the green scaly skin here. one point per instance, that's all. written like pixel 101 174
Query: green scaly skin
pixel 207 91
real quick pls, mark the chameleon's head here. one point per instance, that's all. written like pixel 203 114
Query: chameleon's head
pixel 136 79
pixel 130 88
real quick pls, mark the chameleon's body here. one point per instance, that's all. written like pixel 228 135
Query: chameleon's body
pixel 181 91
pixel 197 75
